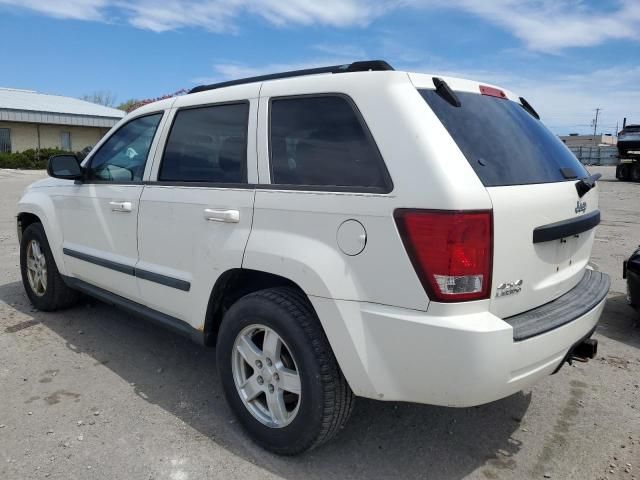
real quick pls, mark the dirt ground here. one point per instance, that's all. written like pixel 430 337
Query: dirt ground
pixel 94 393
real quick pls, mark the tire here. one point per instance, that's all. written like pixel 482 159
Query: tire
pixel 624 172
pixel 50 293
pixel 325 401
pixel 635 172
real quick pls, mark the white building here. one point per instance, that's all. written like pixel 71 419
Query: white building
pixel 34 120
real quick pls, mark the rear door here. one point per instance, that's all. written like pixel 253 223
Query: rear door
pixel 531 178
pixel 195 217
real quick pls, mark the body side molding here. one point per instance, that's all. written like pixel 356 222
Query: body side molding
pixel 129 270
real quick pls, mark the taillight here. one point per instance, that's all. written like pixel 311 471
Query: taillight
pixel 451 251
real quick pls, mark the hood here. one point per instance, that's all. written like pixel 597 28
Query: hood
pixel 48 182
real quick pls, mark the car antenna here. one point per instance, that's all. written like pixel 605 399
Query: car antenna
pixel 444 90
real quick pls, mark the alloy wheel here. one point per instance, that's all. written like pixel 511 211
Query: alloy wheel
pixel 36 268
pixel 266 376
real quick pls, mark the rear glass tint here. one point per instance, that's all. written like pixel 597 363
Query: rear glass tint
pixel 207 144
pixel 503 143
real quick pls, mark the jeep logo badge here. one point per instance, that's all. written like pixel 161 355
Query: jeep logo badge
pixel 581 207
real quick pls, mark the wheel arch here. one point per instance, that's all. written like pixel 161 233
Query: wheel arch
pixel 233 285
pixel 24 220
pixel 36 206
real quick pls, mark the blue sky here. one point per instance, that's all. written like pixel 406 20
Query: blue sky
pixel 567 57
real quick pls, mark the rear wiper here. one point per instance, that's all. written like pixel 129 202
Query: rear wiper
pixel 586 184
pixel 444 90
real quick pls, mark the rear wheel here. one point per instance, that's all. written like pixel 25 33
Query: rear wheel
pixel 624 172
pixel 279 374
pixel 635 172
pixel 40 277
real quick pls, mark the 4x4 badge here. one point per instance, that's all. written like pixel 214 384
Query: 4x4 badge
pixel 581 207
pixel 510 288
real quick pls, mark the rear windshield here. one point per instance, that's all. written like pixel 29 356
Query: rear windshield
pixel 503 143
pixel 631 128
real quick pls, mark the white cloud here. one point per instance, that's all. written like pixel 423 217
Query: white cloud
pixel 70 9
pixel 552 25
pixel 542 25
pixel 217 16
pixel 339 13
pixel 214 15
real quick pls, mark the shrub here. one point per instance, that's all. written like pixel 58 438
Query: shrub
pixel 30 159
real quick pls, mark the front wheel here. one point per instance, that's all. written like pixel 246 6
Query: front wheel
pixel 279 374
pixel 40 277
pixel 635 172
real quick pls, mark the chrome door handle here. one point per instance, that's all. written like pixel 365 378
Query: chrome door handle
pixel 121 206
pixel 228 216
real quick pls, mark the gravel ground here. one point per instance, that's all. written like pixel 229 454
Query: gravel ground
pixel 95 393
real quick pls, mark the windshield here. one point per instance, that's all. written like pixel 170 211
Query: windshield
pixel 502 142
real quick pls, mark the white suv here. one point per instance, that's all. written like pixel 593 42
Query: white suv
pixel 335 232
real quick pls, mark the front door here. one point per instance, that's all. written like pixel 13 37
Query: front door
pixel 99 216
pixel 196 218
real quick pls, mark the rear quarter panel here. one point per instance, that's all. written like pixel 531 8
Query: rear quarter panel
pixel 294 232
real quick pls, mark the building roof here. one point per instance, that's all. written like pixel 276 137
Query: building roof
pixel 30 106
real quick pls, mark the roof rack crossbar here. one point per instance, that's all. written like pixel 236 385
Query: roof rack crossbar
pixel 363 66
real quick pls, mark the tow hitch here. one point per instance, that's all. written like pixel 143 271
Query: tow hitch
pixel 584 351
pixel 580 352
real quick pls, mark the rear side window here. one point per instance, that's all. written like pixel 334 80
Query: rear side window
pixel 207 144
pixel 503 143
pixel 321 141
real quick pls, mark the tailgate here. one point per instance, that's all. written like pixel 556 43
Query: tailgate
pixel 527 274
pixel 531 178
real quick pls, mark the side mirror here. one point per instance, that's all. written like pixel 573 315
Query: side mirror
pixel 64 166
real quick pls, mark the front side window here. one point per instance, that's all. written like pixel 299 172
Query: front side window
pixel 321 141
pixel 5 140
pixel 207 144
pixel 123 156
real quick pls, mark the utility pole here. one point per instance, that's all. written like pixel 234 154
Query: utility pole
pixel 595 125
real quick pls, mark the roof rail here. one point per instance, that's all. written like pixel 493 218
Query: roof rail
pixel 363 66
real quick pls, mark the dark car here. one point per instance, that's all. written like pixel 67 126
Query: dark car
pixel 629 139
pixel 631 271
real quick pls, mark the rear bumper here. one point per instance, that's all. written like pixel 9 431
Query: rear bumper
pixel 389 353
pixel 588 293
